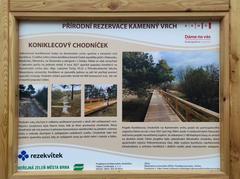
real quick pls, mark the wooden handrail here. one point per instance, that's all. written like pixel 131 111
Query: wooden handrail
pixel 188 111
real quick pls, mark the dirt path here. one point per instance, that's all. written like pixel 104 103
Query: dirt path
pixel 29 108
pixel 159 110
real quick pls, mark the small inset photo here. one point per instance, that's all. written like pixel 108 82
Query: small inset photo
pixel 101 100
pixel 66 100
pixel 33 100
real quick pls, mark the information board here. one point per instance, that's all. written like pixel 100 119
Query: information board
pixel 118 95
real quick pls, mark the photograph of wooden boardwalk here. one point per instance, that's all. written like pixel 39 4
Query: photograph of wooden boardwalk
pixel 157 87
pixel 100 100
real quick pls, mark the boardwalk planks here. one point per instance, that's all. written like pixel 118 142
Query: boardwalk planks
pixel 159 110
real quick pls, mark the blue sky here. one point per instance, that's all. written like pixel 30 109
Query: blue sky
pixel 103 86
pixel 69 88
pixel 182 59
pixel 187 58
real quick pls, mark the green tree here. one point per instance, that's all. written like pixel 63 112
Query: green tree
pixel 113 93
pixel 72 89
pixel 57 95
pixel 42 97
pixel 201 86
pixel 31 90
pixel 136 68
pixel 140 72
pixel 89 91
pixel 164 74
pixel 22 91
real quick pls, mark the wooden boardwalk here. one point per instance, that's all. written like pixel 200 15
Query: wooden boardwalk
pixel 96 106
pixel 159 110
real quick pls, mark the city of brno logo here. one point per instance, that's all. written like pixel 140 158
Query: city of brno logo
pixel 23 155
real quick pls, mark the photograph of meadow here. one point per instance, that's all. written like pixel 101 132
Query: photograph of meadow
pixel 66 100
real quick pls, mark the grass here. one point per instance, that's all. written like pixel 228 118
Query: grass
pixel 135 110
pixel 73 111
pixel 75 108
pixel 56 112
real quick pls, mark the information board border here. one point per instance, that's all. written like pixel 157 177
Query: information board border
pixel 119 6
pixel 15 17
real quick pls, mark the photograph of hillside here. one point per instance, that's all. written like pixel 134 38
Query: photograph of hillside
pixel 66 100
pixel 33 100
pixel 101 100
pixel 171 86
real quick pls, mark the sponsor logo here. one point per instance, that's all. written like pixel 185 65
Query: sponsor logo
pixel 45 155
pixel 23 155
pixel 78 166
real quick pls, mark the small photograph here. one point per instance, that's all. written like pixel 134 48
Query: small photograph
pixel 66 100
pixel 171 86
pixel 33 100
pixel 101 100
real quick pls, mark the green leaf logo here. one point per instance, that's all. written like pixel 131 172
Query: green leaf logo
pixel 78 167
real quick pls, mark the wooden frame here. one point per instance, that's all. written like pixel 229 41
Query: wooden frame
pixel 20 10
pixel 120 6
pixel 13 86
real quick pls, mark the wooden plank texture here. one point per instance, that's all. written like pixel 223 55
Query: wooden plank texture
pixel 119 16
pixel 98 6
pixel 13 95
pixel 173 174
pixel 119 5
pixel 159 110
pixel 3 87
pixel 110 175
pixel 235 90
pixel 224 94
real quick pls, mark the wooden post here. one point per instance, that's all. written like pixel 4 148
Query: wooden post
pixel 187 116
pixel 235 89
pixel 176 105
pixel 3 88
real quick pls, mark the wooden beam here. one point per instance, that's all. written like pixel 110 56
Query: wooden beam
pixel 235 90
pixel 173 174
pixel 119 5
pixel 3 88
pixel 13 95
pixel 119 16
pixel 224 99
